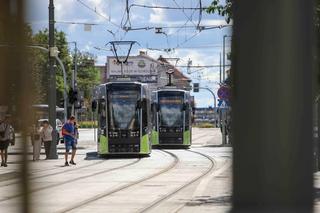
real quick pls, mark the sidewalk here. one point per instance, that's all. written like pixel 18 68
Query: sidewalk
pixel 86 140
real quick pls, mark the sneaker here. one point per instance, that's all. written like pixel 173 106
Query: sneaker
pixel 72 162
pixel 66 164
pixel 5 164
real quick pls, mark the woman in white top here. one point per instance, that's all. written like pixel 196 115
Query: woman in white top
pixel 46 137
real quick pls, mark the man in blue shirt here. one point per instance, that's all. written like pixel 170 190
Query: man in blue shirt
pixel 69 140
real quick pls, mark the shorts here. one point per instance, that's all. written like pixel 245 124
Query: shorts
pixel 4 145
pixel 70 145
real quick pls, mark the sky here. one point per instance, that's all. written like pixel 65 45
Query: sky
pixel 108 17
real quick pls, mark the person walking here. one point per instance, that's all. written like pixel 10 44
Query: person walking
pixel 36 143
pixel 46 137
pixel 68 132
pixel 4 139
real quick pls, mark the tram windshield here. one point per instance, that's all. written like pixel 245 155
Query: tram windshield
pixel 123 112
pixel 170 111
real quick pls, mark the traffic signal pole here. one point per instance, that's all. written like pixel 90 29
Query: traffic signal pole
pixel 52 82
pixel 74 76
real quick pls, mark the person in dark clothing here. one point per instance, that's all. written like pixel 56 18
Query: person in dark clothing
pixel 68 132
pixel 4 139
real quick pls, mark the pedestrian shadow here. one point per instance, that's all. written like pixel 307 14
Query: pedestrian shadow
pixel 208 200
pixel 159 147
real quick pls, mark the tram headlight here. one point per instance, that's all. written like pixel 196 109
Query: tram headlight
pixel 162 129
pixel 113 134
pixel 134 134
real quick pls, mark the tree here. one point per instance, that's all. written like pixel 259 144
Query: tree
pixel 88 75
pixel 41 71
pixel 224 10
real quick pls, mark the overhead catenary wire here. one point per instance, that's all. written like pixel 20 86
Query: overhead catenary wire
pixel 200 15
pixel 98 13
pixel 182 8
pixel 166 7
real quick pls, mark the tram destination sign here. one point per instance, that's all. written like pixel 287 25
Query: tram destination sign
pixel 137 68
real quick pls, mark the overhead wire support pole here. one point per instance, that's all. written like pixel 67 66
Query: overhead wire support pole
pixel 220 68
pixel 52 82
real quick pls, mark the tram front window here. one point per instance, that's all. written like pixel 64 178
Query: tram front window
pixel 171 113
pixel 123 111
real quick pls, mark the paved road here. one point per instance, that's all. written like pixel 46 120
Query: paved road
pixel 198 179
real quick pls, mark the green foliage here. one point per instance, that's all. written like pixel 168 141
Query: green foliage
pixel 224 10
pixel 41 69
pixel 88 75
pixel 88 124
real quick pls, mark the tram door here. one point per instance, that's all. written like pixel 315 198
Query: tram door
pixel 102 127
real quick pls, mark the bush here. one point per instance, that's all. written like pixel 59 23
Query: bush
pixel 88 124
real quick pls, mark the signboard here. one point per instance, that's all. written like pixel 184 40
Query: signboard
pixel 137 68
pixel 224 93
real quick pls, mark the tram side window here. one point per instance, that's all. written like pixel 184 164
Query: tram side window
pixel 102 113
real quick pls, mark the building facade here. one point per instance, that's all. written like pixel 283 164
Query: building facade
pixel 143 68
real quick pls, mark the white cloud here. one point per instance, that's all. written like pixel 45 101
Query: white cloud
pixel 101 60
pixel 157 16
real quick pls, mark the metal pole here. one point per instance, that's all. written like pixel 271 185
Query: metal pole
pixel 52 83
pixel 74 75
pixel 75 72
pixel 220 68
pixel 212 93
pixel 224 57
pixel 272 106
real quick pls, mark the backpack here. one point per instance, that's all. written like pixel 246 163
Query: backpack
pixel 3 132
pixel 64 131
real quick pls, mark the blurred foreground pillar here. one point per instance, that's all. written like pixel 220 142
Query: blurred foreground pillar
pixel 272 106
pixel 15 92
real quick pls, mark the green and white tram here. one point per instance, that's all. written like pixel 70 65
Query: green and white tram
pixel 172 114
pixel 124 121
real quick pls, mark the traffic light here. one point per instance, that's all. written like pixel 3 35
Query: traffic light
pixel 73 96
pixel 79 103
pixel 195 87
pixel 61 103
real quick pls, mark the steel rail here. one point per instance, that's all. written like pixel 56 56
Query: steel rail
pixel 108 193
pixel 165 197
pixel 75 179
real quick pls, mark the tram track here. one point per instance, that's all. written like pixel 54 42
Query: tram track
pixel 75 179
pixel 198 178
pixel 126 186
pixel 52 174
